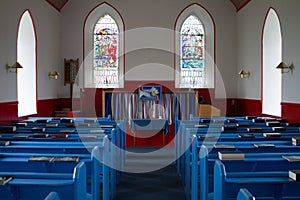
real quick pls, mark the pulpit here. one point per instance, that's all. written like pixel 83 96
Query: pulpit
pixel 145 128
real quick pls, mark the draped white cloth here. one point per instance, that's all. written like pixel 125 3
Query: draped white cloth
pixel 171 106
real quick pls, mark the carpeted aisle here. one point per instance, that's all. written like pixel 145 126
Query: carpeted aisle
pixel 163 184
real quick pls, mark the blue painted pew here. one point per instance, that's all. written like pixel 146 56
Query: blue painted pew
pixel 228 180
pixel 52 196
pixel 29 186
pixel 244 194
pixel 71 148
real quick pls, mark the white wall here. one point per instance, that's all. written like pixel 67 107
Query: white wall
pixel 47 24
pixel 250 21
pixel 155 13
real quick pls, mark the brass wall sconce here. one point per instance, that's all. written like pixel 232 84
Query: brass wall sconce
pixel 244 74
pixel 53 75
pixel 285 68
pixel 13 68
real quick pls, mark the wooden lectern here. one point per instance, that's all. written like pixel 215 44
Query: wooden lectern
pixel 206 110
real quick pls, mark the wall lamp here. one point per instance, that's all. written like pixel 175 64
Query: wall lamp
pixel 13 68
pixel 285 68
pixel 244 74
pixel 53 75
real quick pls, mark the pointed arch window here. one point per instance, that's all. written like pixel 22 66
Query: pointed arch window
pixel 104 48
pixel 192 69
pixel 26 56
pixel 106 44
pixel 272 56
pixel 195 48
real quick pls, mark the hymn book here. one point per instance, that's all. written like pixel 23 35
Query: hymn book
pixel 296 141
pixel 5 179
pixel 292 158
pixel 4 143
pixel 294 174
pixel 231 155
pixel 200 126
pixel 264 145
pixel 271 134
pixel 225 146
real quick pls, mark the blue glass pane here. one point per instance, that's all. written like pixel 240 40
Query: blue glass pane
pixel 191 63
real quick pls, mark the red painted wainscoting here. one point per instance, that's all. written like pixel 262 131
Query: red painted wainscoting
pixel 45 108
pixel 8 111
pixel 291 112
pixel 248 107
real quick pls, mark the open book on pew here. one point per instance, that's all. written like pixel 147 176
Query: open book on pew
pixel 271 134
pixel 242 124
pixel 65 120
pixel 246 136
pixel 41 159
pixel 21 124
pixel 38 129
pixel 264 145
pixel 225 146
pixel 201 126
pixel 278 128
pixel 41 121
pixel 40 135
pixel 97 131
pixel 52 125
pixel 66 131
pixel 82 125
pixel 106 126
pixel 231 120
pixel 90 121
pixel 229 128
pixel 292 158
pixel 294 174
pixel 250 117
pixel 5 179
pixel 66 159
pixel 54 159
pixel 231 155
pixel 206 137
pixel 254 129
pixel 273 123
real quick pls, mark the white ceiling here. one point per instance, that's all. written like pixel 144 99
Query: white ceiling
pixel 59 4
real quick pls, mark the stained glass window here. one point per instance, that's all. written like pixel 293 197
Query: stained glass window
pixel 106 48
pixel 192 69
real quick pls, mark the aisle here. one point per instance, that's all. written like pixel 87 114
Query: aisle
pixel 162 184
